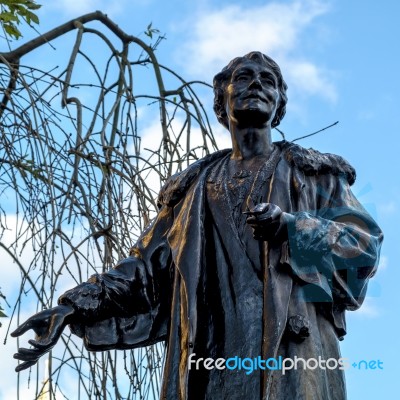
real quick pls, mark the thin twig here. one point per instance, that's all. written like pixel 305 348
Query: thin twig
pixel 314 133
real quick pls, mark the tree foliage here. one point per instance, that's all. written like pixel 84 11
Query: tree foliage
pixel 11 13
pixel 77 183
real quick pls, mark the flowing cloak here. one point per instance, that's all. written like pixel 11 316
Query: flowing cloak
pixel 198 280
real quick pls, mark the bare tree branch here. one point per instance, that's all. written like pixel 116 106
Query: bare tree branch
pixel 80 186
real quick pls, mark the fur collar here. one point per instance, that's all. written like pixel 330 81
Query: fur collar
pixel 310 161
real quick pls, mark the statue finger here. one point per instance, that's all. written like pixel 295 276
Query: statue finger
pixel 258 220
pixel 42 344
pixel 28 354
pixel 24 365
pixel 20 330
pixel 251 220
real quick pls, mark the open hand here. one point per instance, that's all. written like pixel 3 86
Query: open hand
pixel 48 326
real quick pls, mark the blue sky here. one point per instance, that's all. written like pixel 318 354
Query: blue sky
pixel 341 62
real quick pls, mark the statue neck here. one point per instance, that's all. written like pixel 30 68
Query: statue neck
pixel 250 142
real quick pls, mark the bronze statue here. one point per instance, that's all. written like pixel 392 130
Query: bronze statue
pixel 254 257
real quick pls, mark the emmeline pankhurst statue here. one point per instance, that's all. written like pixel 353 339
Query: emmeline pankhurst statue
pixel 253 258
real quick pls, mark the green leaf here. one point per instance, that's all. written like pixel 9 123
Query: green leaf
pixel 32 5
pixel 7 17
pixel 150 30
pixel 2 315
pixel 18 10
pixel 12 30
pixel 33 17
pixel 12 12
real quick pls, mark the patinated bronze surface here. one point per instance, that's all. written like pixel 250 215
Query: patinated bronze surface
pixel 256 251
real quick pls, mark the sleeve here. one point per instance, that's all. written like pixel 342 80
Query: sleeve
pixel 334 249
pixel 129 305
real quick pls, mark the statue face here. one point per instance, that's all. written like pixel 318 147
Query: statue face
pixel 252 96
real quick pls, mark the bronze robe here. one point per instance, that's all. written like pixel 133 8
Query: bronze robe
pixel 199 281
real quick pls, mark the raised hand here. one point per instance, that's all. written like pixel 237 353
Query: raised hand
pixel 48 326
pixel 268 221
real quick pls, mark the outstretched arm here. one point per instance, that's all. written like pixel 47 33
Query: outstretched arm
pixel 137 286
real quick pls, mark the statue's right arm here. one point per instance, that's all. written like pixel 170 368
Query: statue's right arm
pixel 135 285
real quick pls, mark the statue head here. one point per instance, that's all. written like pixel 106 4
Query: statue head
pixel 222 79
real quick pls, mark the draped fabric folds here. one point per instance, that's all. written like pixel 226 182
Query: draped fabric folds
pixel 199 281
